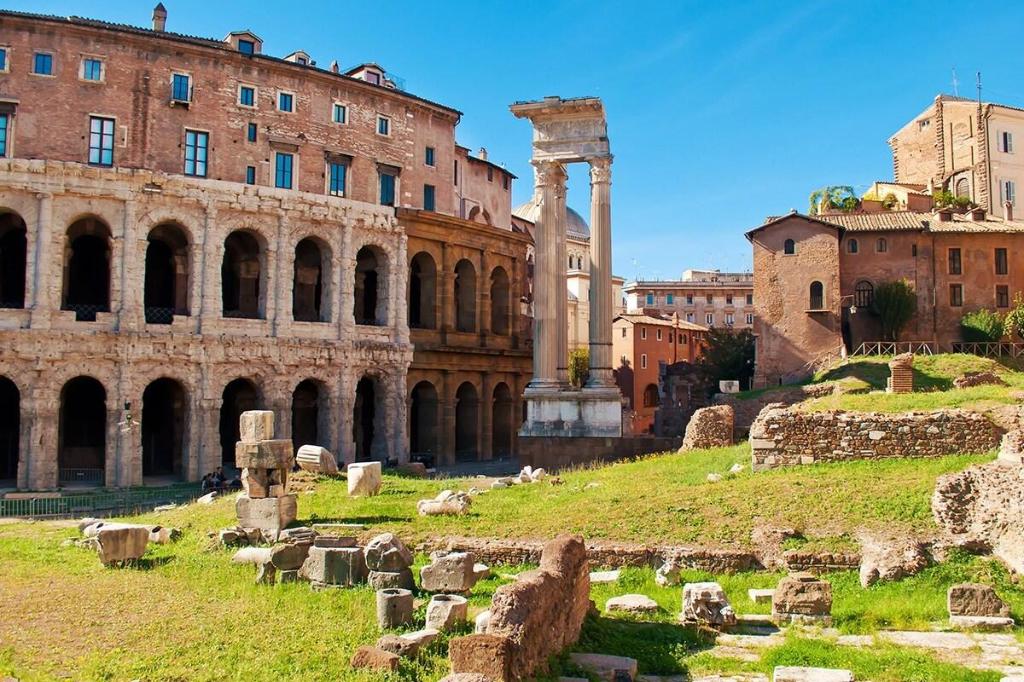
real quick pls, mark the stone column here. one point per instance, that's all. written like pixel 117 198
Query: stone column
pixel 400 421
pixel 516 297
pixel 273 283
pixel 549 286
pixel 600 274
pixel 347 400
pixel 209 300
pixel 346 314
pixel 561 291
pixel 402 292
pixel 130 311
pixel 444 294
pixel 40 283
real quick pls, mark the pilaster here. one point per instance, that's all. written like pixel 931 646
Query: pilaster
pixel 38 276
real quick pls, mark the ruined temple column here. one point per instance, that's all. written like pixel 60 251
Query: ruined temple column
pixel 562 291
pixel 549 277
pixel 600 273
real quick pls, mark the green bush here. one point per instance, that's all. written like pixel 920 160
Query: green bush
pixel 579 366
pixel 982 325
pixel 895 304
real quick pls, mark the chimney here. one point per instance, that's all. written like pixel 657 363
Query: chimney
pixel 1008 210
pixel 334 67
pixel 159 17
pixel 977 213
pixel 945 215
pixel 482 155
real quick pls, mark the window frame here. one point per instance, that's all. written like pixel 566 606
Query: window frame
pixel 291 171
pixel 1006 142
pixel 6 136
pixel 381 173
pixel 113 132
pixel 750 318
pixel 709 319
pixel 1004 261
pixel 1002 296
pixel 954 261
pixel 188 95
pixel 386 120
pixel 250 50
pixel 53 64
pixel 252 131
pixel 789 247
pixel 657 334
pixel 643 333
pixel 98 60
pixel 255 96
pixel 248 174
pixel 670 299
pixel 433 197
pixel 649 298
pixel 643 361
pixel 430 156
pixel 331 190
pixel 853 247
pixel 6 66
pixel 291 101
pixel 957 300
pixel 339 106
pixel 818 298
pixel 730 319
pixel 205 136
pixel 881 245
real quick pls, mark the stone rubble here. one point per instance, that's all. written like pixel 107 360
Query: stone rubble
pixel 120 543
pixel 448 572
pixel 886 558
pixel 394 608
pixel 372 658
pixel 364 479
pixel 798 674
pixel 969 379
pixel 447 502
pixel 317 460
pixel 709 427
pixel 333 567
pixel 706 604
pixel 802 598
pixel 605 667
pixel 446 611
pixel 631 603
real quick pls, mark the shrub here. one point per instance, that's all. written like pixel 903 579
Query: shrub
pixel 1013 323
pixel 982 325
pixel 895 304
pixel 727 355
pixel 579 366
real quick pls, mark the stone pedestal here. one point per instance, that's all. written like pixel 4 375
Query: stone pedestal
pixel 591 412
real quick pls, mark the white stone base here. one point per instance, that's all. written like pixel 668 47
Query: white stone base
pixel 591 412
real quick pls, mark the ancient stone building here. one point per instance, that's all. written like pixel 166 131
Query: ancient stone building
pixel 190 228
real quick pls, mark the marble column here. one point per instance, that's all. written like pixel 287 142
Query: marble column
pixel 600 274
pixel 549 277
pixel 561 291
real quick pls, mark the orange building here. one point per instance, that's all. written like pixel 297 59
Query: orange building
pixel 640 342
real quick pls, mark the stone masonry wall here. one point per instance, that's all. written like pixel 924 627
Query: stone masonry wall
pixel 787 436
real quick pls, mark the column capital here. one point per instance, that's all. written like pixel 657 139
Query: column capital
pixel 600 169
pixel 549 173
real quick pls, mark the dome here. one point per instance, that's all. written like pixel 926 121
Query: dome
pixel 576 226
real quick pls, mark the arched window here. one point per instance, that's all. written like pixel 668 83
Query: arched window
pixel 369 287
pixel 651 396
pixel 423 422
pixel 240 395
pixel 852 246
pixel 13 243
pixel 164 429
pixel 789 247
pixel 422 291
pixel 881 245
pixel 166 280
pixel 963 188
pixel 87 269
pixel 817 296
pixel 240 276
pixel 500 304
pixel 467 422
pixel 81 450
pixel 465 296
pixel 863 294
pixel 308 282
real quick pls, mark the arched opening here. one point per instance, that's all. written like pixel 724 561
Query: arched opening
pixel 306 400
pixel 467 422
pixel 651 398
pixel 81 453
pixel 166 282
pixel 364 420
pixel 10 430
pixel 240 276
pixel 465 296
pixel 239 396
pixel 789 247
pixel 164 415
pixel 864 294
pixel 501 422
pixel 87 269
pixel 13 245
pixel 500 304
pixel 423 292
pixel 817 296
pixel 308 284
pixel 423 426
pixel 962 188
pixel 369 308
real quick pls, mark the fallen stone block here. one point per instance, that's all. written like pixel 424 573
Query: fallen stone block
pixel 364 479
pixel 86 522
pixel 302 534
pixel 482 654
pixel 252 555
pixel 386 552
pixel 266 574
pixel 481 572
pixel 162 535
pixel 890 558
pixel 606 667
pixel 334 541
pixel 290 576
pixel 334 566
pixel 400 646
pixel 414 469
pixel 706 604
pixel 451 572
pixel 372 658
pixel 973 599
pixel 256 425
pixel 604 577
pixel 983 623
pixel 631 603
pixel 447 502
pixel 270 514
pixel 317 460
pixel 802 598
pixel 445 611
pixel 422 638
pixel 288 556
pixel 799 674
pixel 122 543
pixel 208 498
pixel 380 580
pixel 760 596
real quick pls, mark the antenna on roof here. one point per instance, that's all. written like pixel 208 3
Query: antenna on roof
pixel 979 87
pixel 956 84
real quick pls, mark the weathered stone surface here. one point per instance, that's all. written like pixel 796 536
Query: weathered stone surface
pixel 289 576
pixel 342 566
pixel 423 638
pixel 372 658
pixel 983 623
pixel 163 535
pixel 334 541
pixel 414 469
pixel 118 542
pixel 1011 449
pixel 760 596
pixel 631 603
pixel 886 557
pixel 466 677
pixel 288 556
pixel 394 608
pixel 264 454
pixel 317 460
pixel 270 514
pixel 801 597
pixel 266 574
pixel 481 571
pixel 448 573
pixel 798 674
pixel 483 654
pixel 480 623
pixel 973 599
pixel 768 541
pixel 606 667
pixel 401 646
pixel 380 580
pixel 386 552
pixel 364 479
pixel 969 379
pixel 252 555
pixel 256 425
pixel 230 537
pixel 709 427
pixel 447 502
pixel 706 604
pixel 604 577
pixel 445 611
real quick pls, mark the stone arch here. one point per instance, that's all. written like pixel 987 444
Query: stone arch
pixel 501 305
pixel 424 432
pixel 423 291
pixel 368 419
pixel 166 281
pixel 242 280
pixel 467 422
pixel 371 286
pixel 465 296
pixel 13 260
pixel 311 281
pixel 309 414
pixel 82 437
pixel 817 295
pixel 10 430
pixel 87 254
pixel 240 395
pixel 164 429
pixel 651 397
pixel 503 414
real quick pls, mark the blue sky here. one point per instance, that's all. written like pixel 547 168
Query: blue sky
pixel 719 113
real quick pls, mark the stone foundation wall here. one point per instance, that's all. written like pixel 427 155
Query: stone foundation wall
pixel 745 410
pixel 786 436
pixel 553 453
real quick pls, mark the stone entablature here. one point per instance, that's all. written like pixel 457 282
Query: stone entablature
pixel 790 436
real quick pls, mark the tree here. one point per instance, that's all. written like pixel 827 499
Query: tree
pixel 982 325
pixel 1013 323
pixel 579 366
pixel 727 355
pixel 841 197
pixel 895 304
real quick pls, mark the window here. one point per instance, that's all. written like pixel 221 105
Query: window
pixel 1001 264
pixel 643 333
pixel 956 295
pixel 913 250
pixel 650 299
pixel 428 198
pixel 689 317
pixel 750 299
pixel 285 102
pixel 247 96
pixel 490 174
pixel 101 141
pixel 383 125
pixel 658 334
pixel 955 266
pixel 181 87
pixel 863 294
pixel 246 46
pixel 250 133
pixel 504 182
pixel 924 123
pixel 709 319
pixel 250 175
pixel 196 144
pixel 962 188
pixel 730 319
pixel 685 338
pixel 1006 142
pixel 689 299
pixel 283 164
pixel 5 122
pixel 336 179
pixel 651 396
pixel 852 246
pixel 3 59
pixel 671 337
pixel 428 156
pixel 42 64
pixel 709 299
pixel 387 189
pixel 1008 188
pixel 881 246
pixel 750 318
pixel 670 299
pixel 455 172
pixel 817 296
pixel 789 247
pixel 92 69
pixel 1002 296
pixel 339 113
pixel 643 361
pixel 623 332
pixel 728 299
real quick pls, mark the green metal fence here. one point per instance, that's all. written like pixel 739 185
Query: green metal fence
pixel 100 503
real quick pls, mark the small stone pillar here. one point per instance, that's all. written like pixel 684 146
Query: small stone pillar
pixel 901 374
pixel 265 463
pixel 394 608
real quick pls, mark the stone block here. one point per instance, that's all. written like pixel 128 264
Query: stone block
pixel 799 674
pixel 401 646
pixel 801 597
pixel 487 655
pixel 289 576
pixel 386 552
pixel 338 566
pixel 372 658
pixel 606 667
pixel 118 543
pixel 264 454
pixel 252 555
pixel 288 556
pixel 270 514
pixel 422 637
pixel 380 580
pixel 481 622
pixel 985 623
pixel 317 460
pixel 256 425
pixel 973 599
pixel 706 604
pixel 394 608
pixel 604 577
pixel 760 596
pixel 364 479
pixel 631 603
pixel 334 541
pixel 445 611
pixel 448 573
pixel 447 502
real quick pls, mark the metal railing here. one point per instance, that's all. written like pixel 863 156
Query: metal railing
pixel 120 502
pixel 893 348
pixel 85 312
pixel 93 476
pixel 990 349
pixel 156 315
